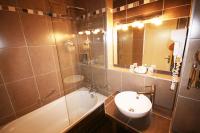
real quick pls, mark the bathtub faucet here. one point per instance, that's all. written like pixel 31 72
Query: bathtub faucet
pixel 92 88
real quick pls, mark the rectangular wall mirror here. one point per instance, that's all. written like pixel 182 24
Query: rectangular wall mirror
pixel 147 45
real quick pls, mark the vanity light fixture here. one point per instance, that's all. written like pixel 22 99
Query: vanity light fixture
pixel 88 32
pixel 139 24
pixel 156 21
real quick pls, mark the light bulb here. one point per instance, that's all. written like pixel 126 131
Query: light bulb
pixel 156 21
pixel 96 31
pixel 87 32
pixel 124 27
pixel 135 24
pixel 119 27
pixel 140 25
pixel 80 33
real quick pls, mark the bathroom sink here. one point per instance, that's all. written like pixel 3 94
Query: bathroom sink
pixel 140 70
pixel 133 105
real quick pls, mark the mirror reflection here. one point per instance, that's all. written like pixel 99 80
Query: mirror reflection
pixel 91 47
pixel 147 44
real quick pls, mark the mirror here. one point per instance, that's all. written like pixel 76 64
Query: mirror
pixel 147 45
pixel 91 48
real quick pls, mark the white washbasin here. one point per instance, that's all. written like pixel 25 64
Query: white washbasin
pixel 133 105
pixel 140 70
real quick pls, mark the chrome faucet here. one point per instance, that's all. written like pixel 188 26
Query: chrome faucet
pixel 151 93
pixel 92 88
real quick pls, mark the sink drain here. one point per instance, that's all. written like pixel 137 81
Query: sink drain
pixel 131 109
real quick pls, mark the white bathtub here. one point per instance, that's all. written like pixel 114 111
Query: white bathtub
pixel 55 117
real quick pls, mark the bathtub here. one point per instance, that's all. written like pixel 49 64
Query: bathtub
pixel 57 116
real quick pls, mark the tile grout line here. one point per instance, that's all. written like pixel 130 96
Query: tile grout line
pixel 161 115
pixel 6 116
pixel 56 69
pixel 59 70
pixel 186 97
pixel 121 78
pixel 28 52
pixel 44 74
pixel 11 82
pixel 39 75
pixel 26 46
pixel 6 89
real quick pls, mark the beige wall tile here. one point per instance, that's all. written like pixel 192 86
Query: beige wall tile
pixel 99 76
pixel 164 96
pixel 132 81
pixel 10 30
pixel 37 29
pixel 86 72
pixel 187 117
pixel 42 59
pixel 114 80
pixel 24 95
pixel 32 4
pixel 15 64
pixel 5 104
pixel 8 2
pixel 48 87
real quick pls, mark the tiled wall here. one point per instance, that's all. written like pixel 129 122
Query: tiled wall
pixel 120 80
pixel 94 73
pixel 187 110
pixel 137 9
pixel 29 68
pixel 64 32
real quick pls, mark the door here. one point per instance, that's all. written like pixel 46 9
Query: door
pixel 156 44
pixel 125 48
